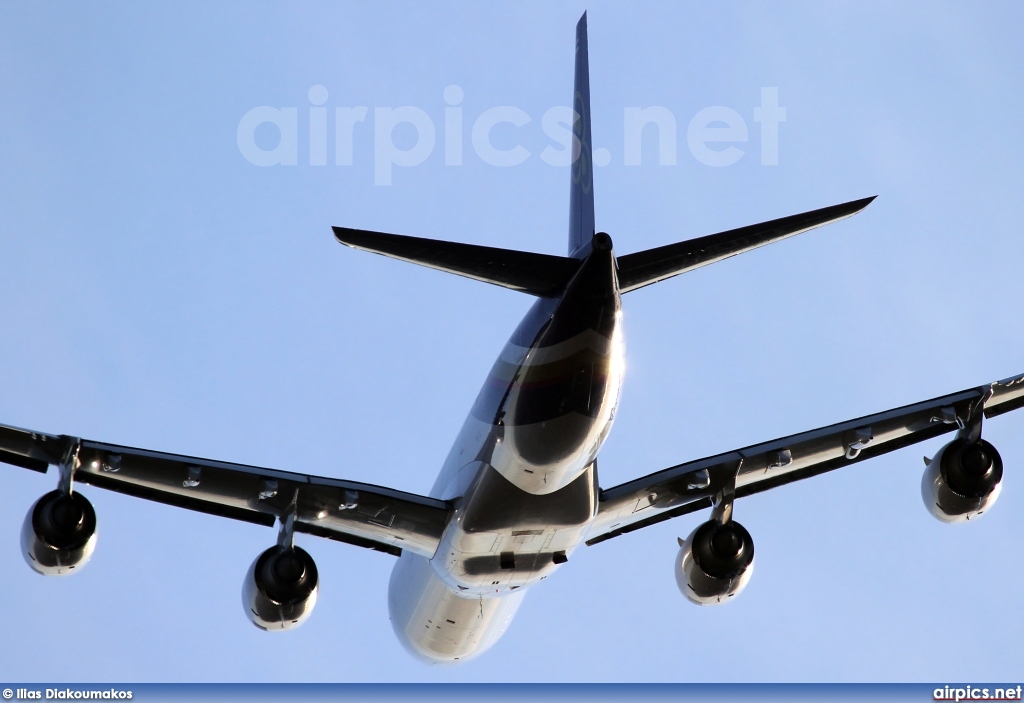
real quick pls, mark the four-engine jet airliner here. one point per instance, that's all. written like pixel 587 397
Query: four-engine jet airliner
pixel 518 492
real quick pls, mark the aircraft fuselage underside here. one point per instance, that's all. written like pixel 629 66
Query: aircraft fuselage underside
pixel 522 472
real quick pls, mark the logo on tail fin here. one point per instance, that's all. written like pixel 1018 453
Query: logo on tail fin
pixel 582 169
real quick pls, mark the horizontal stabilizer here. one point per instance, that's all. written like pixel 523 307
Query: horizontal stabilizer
pixel 646 267
pixel 536 274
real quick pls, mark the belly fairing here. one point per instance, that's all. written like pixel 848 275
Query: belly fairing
pixel 502 538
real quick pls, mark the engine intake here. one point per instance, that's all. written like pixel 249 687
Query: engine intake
pixel 59 533
pixel 962 481
pixel 715 562
pixel 280 589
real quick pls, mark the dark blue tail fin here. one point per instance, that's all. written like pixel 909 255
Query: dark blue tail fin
pixel 547 276
pixel 581 187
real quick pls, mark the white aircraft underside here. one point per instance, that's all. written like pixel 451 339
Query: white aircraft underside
pixel 518 492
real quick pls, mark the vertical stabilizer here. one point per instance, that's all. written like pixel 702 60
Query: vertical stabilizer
pixel 581 188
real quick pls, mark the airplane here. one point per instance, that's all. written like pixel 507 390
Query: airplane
pixel 519 492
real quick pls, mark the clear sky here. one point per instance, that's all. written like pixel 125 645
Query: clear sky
pixel 160 290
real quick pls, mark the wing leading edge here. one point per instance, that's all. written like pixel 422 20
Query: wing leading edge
pixel 346 511
pixel 687 487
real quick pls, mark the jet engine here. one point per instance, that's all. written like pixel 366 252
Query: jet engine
pixel 59 533
pixel 962 481
pixel 280 589
pixel 715 562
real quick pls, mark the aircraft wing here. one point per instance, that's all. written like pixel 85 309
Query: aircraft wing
pixel 688 487
pixel 357 513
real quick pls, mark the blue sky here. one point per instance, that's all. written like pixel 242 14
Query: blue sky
pixel 159 290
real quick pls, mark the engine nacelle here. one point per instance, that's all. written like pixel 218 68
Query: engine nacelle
pixel 715 562
pixel 280 589
pixel 962 481
pixel 59 534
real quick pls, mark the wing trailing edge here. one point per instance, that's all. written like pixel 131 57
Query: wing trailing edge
pixel 646 267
